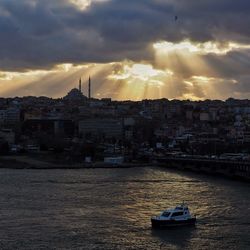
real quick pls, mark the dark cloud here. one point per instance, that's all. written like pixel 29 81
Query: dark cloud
pixel 40 34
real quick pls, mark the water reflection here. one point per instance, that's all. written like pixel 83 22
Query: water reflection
pixel 175 237
pixel 111 209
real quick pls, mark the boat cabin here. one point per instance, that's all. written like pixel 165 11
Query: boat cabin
pixel 178 212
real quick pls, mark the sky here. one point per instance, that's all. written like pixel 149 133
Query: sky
pixel 132 49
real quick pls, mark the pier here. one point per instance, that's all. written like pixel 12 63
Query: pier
pixel 229 168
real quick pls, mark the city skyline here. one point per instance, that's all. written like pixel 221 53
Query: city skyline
pixel 122 117
pixel 131 49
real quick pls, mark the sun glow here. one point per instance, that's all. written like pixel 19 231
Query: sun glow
pixel 84 4
pixel 33 74
pixel 139 80
pixel 9 76
pixel 37 82
pixel 187 46
pixel 81 4
pixel 202 79
pixel 177 71
pixel 139 72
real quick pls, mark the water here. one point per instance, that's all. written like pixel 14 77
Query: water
pixel 111 209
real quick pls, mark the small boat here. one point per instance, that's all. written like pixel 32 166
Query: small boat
pixel 178 216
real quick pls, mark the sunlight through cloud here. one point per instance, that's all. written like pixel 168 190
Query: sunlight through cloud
pixel 141 72
pixel 199 48
pixel 84 4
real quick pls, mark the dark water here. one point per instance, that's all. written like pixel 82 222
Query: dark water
pixel 111 209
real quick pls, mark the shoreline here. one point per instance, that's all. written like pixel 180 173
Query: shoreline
pixel 26 162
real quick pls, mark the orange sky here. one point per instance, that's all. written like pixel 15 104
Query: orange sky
pixel 131 49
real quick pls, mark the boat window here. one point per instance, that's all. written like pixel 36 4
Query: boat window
pixel 179 208
pixel 165 214
pixel 177 214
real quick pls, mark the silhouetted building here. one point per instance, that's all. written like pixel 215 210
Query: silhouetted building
pixel 101 127
pixel 89 88
pixel 76 94
pixel 49 126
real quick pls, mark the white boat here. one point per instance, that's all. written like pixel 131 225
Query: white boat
pixel 178 216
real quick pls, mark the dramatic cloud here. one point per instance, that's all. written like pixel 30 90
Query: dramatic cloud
pixel 166 46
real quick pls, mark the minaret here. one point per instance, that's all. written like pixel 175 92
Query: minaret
pixel 89 87
pixel 80 85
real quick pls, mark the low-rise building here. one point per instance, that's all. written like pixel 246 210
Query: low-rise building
pixel 7 135
pixel 101 127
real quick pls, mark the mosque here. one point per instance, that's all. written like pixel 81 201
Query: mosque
pixel 76 93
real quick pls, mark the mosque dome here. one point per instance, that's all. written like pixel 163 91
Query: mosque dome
pixel 74 95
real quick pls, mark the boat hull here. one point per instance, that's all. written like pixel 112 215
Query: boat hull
pixel 156 223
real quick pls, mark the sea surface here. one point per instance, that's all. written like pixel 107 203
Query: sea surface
pixel 111 209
